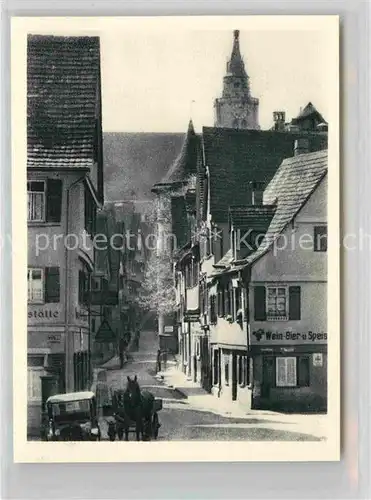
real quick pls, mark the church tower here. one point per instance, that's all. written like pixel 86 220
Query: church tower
pixel 236 108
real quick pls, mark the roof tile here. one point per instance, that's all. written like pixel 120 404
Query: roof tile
pixel 235 158
pixel 63 78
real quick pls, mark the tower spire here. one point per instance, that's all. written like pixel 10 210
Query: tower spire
pixel 235 65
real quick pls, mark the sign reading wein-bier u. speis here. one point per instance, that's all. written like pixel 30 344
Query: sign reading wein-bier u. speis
pixel 261 336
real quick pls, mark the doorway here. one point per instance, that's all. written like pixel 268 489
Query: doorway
pixel 268 376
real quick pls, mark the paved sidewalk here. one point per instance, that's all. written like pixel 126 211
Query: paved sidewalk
pixel 201 400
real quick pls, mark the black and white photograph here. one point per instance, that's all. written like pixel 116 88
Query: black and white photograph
pixel 182 209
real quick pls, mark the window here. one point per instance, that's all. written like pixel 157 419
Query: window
pixel 36 200
pixel 244 371
pixel 286 372
pixel 320 238
pixel 240 369
pixel 208 242
pixel 226 369
pixel 228 301
pixel 44 200
pixel 34 383
pixel 237 299
pixel 216 367
pixel 90 212
pixel 213 313
pixel 35 282
pixel 43 285
pixel 292 371
pixel 83 287
pixel 276 302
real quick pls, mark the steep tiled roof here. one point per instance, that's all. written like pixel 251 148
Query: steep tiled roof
pixel 237 157
pixel 295 181
pixel 186 162
pixel 63 81
pixel 308 111
pixel 254 217
pixel 223 263
pixel 135 161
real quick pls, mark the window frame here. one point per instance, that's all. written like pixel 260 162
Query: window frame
pixel 43 217
pixel 286 384
pixel 277 317
pixel 32 300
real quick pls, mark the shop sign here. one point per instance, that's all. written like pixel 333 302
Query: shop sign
pixel 168 329
pixel 54 338
pixel 50 313
pixel 317 358
pixel 266 336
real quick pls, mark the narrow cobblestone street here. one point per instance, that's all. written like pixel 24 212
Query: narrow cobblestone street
pixel 185 418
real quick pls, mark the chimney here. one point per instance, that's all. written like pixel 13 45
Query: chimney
pixel 279 118
pixel 301 146
pixel 257 190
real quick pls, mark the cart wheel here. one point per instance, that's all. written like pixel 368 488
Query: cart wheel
pixel 155 425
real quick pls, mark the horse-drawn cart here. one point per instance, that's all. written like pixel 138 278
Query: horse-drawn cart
pixel 122 422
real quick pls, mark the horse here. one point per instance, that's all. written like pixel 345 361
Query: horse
pixel 137 407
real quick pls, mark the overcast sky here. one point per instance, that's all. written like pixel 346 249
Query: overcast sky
pixel 151 74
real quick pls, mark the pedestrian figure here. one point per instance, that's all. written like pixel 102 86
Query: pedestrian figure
pixel 164 359
pixel 122 350
pixel 158 361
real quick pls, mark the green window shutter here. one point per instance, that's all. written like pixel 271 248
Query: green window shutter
pixel 303 371
pixel 52 284
pixel 53 200
pixel 259 303
pixel 294 303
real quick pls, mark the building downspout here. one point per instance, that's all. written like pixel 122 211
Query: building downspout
pixel 69 381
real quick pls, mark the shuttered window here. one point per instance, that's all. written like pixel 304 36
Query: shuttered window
pixel 277 303
pixel 259 303
pixel 293 371
pixel 53 200
pixel 52 284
